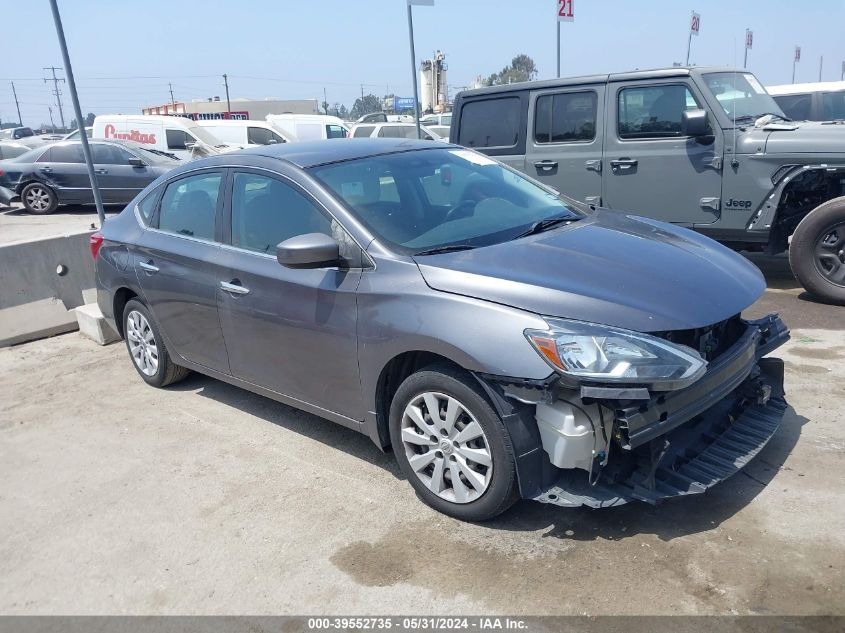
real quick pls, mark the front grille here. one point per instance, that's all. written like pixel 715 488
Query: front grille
pixel 710 341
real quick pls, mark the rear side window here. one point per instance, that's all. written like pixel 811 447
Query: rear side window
pixel 833 106
pixel 189 206
pixel 653 111
pixel 266 211
pixel 490 123
pixel 177 139
pixel 796 107
pixel 71 153
pixel 565 117
pixel 262 136
pixel 335 131
pixel 363 131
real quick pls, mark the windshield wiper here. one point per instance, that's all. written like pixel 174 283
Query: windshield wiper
pixel 545 224
pixel 447 248
pixel 754 117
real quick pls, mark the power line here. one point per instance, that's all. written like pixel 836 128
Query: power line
pixel 56 91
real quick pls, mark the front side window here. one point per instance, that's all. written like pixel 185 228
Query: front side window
pixel 70 153
pixel 335 131
pixel 178 139
pixel 565 117
pixel 833 106
pixel 796 107
pixel 490 123
pixel 104 154
pixel 425 199
pixel 262 136
pixel 653 111
pixel 741 96
pixel 267 211
pixel 189 206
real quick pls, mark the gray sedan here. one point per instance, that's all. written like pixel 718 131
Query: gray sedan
pixel 503 340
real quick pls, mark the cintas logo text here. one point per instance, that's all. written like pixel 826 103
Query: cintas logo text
pixel 737 204
pixel 131 135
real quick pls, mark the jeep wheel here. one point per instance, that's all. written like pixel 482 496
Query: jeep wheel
pixel 817 251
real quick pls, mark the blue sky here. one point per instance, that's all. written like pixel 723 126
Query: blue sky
pixel 125 53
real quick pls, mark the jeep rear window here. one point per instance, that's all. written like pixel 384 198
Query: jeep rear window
pixel 490 123
pixel 565 117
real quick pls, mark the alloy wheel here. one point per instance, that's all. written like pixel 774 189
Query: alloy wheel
pixel 142 343
pixel 38 198
pixel 446 447
pixel 830 255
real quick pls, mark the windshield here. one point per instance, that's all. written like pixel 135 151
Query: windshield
pixel 741 95
pixel 427 199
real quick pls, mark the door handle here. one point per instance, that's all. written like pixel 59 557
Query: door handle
pixel 234 288
pixel 623 163
pixel 148 267
pixel 47 170
pixel 101 172
pixel 546 165
pixel 593 165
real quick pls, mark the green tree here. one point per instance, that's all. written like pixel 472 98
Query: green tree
pixel 340 110
pixel 89 121
pixel 522 68
pixel 370 103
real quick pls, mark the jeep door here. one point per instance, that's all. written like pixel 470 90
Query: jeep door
pixel 650 167
pixel 564 142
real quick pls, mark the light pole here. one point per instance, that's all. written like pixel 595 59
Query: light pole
pixel 424 3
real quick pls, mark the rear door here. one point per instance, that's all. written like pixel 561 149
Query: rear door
pixel 649 167
pixel 177 263
pixel 496 125
pixel 564 145
pixel 63 167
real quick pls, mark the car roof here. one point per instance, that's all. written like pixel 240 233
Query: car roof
pixel 655 73
pixel 818 86
pixel 312 153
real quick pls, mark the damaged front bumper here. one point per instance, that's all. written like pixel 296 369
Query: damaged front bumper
pixel 676 443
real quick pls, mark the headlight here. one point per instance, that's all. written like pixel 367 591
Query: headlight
pixel 598 353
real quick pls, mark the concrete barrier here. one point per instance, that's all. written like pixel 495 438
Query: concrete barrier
pixel 41 282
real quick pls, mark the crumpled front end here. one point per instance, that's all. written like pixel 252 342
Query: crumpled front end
pixel 609 445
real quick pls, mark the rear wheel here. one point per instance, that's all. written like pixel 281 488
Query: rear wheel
pixel 817 251
pixel 146 347
pixel 39 198
pixel 452 445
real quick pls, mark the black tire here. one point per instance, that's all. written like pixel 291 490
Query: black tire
pixel 39 199
pixel 502 491
pixel 167 372
pixel 822 230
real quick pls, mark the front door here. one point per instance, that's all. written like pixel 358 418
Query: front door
pixel 564 145
pixel 292 331
pixel 119 181
pixel 649 167
pixel 177 263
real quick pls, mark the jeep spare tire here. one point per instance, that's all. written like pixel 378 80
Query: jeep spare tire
pixel 817 251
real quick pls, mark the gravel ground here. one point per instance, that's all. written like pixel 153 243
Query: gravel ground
pixel 205 499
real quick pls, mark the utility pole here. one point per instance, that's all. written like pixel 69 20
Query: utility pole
pixel 172 100
pixel 795 59
pixel 226 83
pixel 558 49
pixel 56 92
pixel 17 105
pixel 80 122
pixel 821 63
pixel 52 125
pixel 325 101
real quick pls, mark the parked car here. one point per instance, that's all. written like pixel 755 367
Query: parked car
pixel 10 149
pixel 309 127
pixel 15 133
pixel 444 119
pixel 245 133
pixel 182 137
pixel 56 174
pixel 705 148
pixel 72 136
pixel 391 130
pixel 821 101
pixel 506 341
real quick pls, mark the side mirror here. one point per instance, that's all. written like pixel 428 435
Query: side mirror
pixel 694 123
pixel 312 250
pixel 136 162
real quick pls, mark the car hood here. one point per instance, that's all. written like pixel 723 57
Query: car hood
pixel 809 137
pixel 608 268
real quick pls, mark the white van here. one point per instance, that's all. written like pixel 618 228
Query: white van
pixel 309 127
pixel 175 135
pixel 247 133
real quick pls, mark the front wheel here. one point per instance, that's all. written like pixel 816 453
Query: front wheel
pixel 452 445
pixel 817 251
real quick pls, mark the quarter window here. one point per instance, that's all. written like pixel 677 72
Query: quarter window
pixel 490 123
pixel 148 205
pixel 266 211
pixel 189 206
pixel 565 117
pixel 653 111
